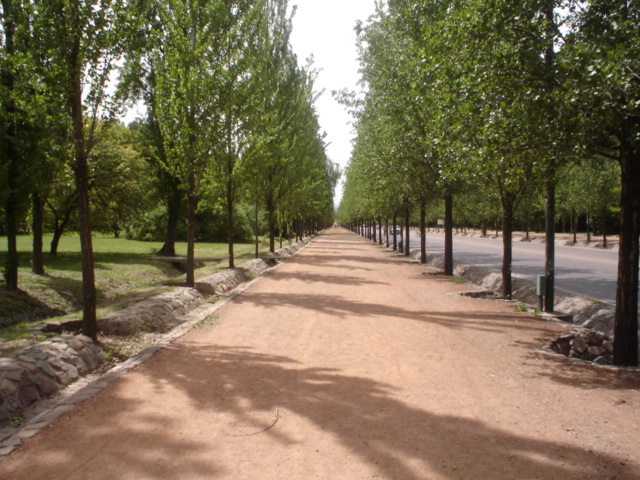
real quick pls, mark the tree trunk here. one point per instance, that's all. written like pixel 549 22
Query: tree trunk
pixel 507 234
pixel 174 203
pixel 395 234
pixel 61 220
pixel 82 178
pixel 55 241
pixel 448 234
pixel 192 204
pixel 379 230
pixel 89 321
pixel 423 232
pixel 256 230
pixel 550 244
pixel 387 230
pixel 11 272
pixel 407 246
pixel 271 217
pixel 37 260
pixel 625 342
pixel 11 153
pixel 230 222
pixel 550 201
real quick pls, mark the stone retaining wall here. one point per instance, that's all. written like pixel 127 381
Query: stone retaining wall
pixel 586 345
pixel 256 267
pixel 225 281
pixel 221 282
pixel 157 314
pixel 40 370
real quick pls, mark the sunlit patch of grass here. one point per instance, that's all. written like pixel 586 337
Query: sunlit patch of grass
pixel 521 307
pixel 125 273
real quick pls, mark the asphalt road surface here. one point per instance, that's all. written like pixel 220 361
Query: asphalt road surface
pixel 586 272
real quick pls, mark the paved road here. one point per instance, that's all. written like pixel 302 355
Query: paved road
pixel 581 271
pixel 348 363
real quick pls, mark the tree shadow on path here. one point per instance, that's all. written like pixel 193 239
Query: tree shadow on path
pixel 342 307
pixel 366 417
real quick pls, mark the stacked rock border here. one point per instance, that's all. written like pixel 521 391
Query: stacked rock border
pixel 592 320
pixel 41 370
pixel 584 344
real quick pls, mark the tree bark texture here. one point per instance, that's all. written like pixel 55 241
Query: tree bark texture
pixel 507 254
pixel 387 230
pixel 626 318
pixel 395 234
pixel 82 178
pixel 230 222
pixel 423 231
pixel 550 245
pixel 11 153
pixel 174 202
pixel 37 209
pixel 448 234
pixel 271 217
pixel 192 204
pixel 407 219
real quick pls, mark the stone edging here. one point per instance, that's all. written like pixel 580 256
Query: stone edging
pixel 156 314
pixel 40 370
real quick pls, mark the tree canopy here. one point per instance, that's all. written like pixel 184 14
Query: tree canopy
pixel 227 107
pixel 495 101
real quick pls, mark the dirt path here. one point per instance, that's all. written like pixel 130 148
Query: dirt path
pixel 349 363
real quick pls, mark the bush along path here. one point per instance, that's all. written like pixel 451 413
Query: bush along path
pixel 41 370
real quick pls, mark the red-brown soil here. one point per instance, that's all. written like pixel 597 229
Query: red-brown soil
pixel 347 362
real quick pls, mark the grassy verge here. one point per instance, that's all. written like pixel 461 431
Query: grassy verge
pixel 125 273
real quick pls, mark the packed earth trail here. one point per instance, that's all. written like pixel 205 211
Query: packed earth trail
pixel 348 362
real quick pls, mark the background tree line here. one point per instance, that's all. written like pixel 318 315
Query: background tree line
pixel 230 143
pixel 491 112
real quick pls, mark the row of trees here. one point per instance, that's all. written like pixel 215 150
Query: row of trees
pixel 483 103
pixel 229 117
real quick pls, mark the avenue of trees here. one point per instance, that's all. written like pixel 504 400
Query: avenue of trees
pixel 229 141
pixel 489 113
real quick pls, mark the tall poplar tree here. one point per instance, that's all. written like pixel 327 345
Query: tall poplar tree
pixel 604 57
pixel 85 39
pixel 21 114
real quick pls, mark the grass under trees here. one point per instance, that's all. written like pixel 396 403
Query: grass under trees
pixel 125 273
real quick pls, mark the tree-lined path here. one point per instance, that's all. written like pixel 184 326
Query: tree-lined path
pixel 346 362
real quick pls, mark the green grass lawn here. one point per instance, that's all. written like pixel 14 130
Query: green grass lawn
pixel 124 269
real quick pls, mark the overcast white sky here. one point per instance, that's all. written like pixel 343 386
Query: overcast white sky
pixel 324 28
